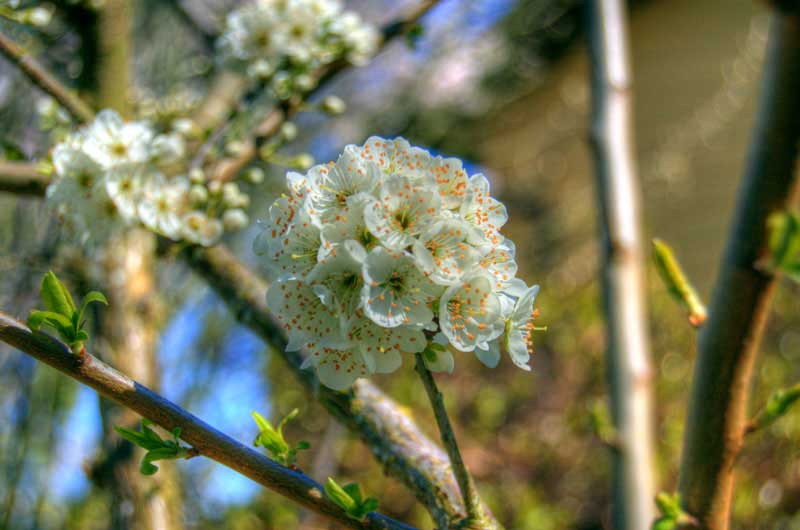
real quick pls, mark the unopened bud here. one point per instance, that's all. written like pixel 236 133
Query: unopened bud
pixel 288 131
pixel 334 105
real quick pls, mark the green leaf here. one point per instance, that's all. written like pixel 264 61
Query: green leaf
pixel 784 238
pixel 776 407
pixel 339 496
pixel 262 422
pixel 669 504
pixel 92 296
pixel 146 468
pixel 56 320
pixel 665 523
pixel 677 283
pixel 302 445
pixel 369 505
pixel 354 490
pixel 289 417
pixel 55 296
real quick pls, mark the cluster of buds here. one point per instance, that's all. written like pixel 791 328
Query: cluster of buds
pixel 284 41
pixel 391 251
pixel 112 174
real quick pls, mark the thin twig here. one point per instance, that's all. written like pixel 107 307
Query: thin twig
pixel 45 80
pixel 206 440
pixel 628 350
pixel 465 483
pixel 23 178
pixel 729 341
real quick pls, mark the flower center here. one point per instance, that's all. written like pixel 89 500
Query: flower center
pixel 119 149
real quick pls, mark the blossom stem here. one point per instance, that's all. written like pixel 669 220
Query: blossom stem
pixel 468 491
pixel 45 80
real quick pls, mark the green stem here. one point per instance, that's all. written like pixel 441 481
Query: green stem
pixel 465 482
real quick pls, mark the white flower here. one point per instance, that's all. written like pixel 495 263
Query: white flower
pixel 303 315
pixel 332 185
pixel 517 338
pixel 482 210
pixel 383 347
pixel 285 39
pixel 395 291
pixel 124 185
pixel 350 224
pixel 197 227
pixel 111 142
pixel 73 166
pixel 337 278
pixel 397 157
pixel 500 262
pixel 404 208
pixel 451 178
pixel 384 248
pixel 337 368
pixel 163 206
pixel 469 313
pixel 360 41
pixel 296 252
pixel 167 148
pixel 444 252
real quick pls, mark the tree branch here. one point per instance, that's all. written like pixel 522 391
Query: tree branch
pixel 398 444
pixel 728 343
pixel 23 178
pixel 628 350
pixel 45 80
pixel 206 440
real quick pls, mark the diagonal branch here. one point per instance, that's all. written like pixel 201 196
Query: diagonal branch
pixel 45 80
pixel 728 343
pixel 628 351
pixel 205 440
pixel 23 178
pixel 398 444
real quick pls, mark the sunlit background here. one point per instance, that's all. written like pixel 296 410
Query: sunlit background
pixel 503 85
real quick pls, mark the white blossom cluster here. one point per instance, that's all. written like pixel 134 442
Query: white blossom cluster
pixel 284 40
pixel 111 174
pixel 387 249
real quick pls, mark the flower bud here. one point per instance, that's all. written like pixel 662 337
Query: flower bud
pixel 197 176
pixel 333 105
pixel 234 219
pixel 255 175
pixel 288 131
pixel 198 194
pixel 303 161
pixel 215 187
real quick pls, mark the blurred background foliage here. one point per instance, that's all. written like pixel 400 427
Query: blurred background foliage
pixel 503 84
